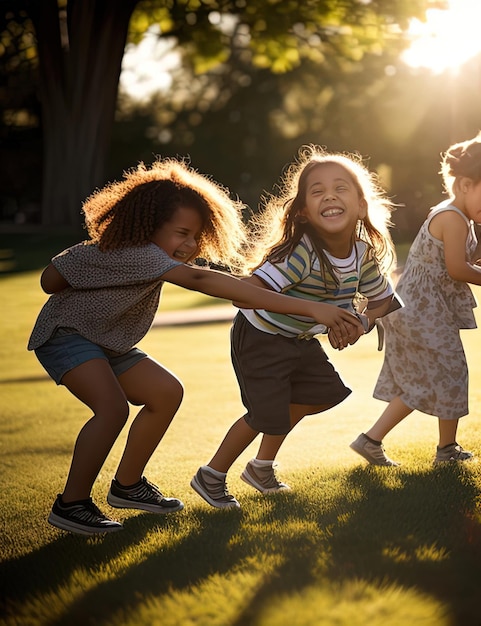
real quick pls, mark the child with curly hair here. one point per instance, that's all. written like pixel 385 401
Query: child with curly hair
pixel 424 365
pixel 144 230
pixel 323 238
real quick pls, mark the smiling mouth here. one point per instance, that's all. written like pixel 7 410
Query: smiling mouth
pixel 332 212
pixel 180 255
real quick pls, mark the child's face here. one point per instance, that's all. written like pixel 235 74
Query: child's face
pixel 179 237
pixel 333 204
pixel 472 199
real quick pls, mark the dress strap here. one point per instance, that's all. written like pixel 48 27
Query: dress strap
pixel 471 241
pixel 446 206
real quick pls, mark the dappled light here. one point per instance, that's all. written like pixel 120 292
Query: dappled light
pixel 281 557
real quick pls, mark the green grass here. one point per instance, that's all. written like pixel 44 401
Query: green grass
pixel 350 545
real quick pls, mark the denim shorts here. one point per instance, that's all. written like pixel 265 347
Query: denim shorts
pixel 66 350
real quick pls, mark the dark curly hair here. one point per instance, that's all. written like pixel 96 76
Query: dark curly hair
pixel 128 212
pixel 461 159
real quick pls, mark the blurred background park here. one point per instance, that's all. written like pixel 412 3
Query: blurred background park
pixel 89 89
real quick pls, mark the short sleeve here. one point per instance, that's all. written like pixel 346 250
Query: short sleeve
pixel 373 284
pixel 288 272
pixel 84 266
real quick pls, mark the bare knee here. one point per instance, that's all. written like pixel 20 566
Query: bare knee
pixel 114 411
pixel 166 394
pixel 171 392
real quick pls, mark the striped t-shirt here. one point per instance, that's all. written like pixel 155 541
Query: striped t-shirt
pixel 300 275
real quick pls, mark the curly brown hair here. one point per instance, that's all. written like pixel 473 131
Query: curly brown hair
pixel 127 212
pixel 277 229
pixel 461 159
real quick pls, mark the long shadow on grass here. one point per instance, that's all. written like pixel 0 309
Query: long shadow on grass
pixel 422 532
pixel 416 531
pixel 419 531
pixel 159 567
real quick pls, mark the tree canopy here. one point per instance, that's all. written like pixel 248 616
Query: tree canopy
pixel 73 50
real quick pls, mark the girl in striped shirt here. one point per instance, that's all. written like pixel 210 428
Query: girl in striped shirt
pixel 323 237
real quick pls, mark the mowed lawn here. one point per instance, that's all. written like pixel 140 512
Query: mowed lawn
pixel 350 545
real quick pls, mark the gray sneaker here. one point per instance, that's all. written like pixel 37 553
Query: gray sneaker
pixel 213 489
pixel 451 453
pixel 263 479
pixel 373 453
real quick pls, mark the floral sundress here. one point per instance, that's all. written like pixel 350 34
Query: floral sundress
pixel 424 362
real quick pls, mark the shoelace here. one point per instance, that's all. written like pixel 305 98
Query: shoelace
pixel 218 488
pixel 146 491
pixel 268 476
pixel 88 513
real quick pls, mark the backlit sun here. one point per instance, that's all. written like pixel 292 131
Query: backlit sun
pixel 448 37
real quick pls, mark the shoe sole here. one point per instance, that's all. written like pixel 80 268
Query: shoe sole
pixel 80 529
pixel 369 458
pixel 440 461
pixel 197 487
pixel 247 478
pixel 121 503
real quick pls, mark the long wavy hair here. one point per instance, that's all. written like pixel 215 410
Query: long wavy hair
pixel 277 229
pixel 127 212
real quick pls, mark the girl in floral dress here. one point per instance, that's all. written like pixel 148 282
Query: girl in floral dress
pixel 425 366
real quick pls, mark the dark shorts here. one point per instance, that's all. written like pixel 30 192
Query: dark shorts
pixel 274 371
pixel 66 350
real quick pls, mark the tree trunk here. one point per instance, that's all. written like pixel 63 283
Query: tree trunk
pixel 80 57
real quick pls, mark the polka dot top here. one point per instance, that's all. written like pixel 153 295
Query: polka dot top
pixel 113 296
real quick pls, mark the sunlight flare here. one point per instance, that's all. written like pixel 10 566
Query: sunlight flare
pixel 447 39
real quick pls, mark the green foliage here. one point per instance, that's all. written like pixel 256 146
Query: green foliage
pixel 299 62
pixel 350 544
pixel 278 34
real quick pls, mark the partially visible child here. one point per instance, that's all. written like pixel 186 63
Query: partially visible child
pixel 324 237
pixel 143 231
pixel 425 366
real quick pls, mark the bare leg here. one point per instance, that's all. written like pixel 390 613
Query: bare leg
pixel 448 449
pixel 394 413
pixel 270 444
pixel 95 385
pixel 161 393
pixel 447 432
pixel 238 437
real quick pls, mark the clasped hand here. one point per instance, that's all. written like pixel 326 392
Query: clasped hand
pixel 344 327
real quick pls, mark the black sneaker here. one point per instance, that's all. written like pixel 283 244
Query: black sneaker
pixel 83 518
pixel 143 495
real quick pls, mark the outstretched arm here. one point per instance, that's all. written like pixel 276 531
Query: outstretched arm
pixel 52 280
pixel 248 295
